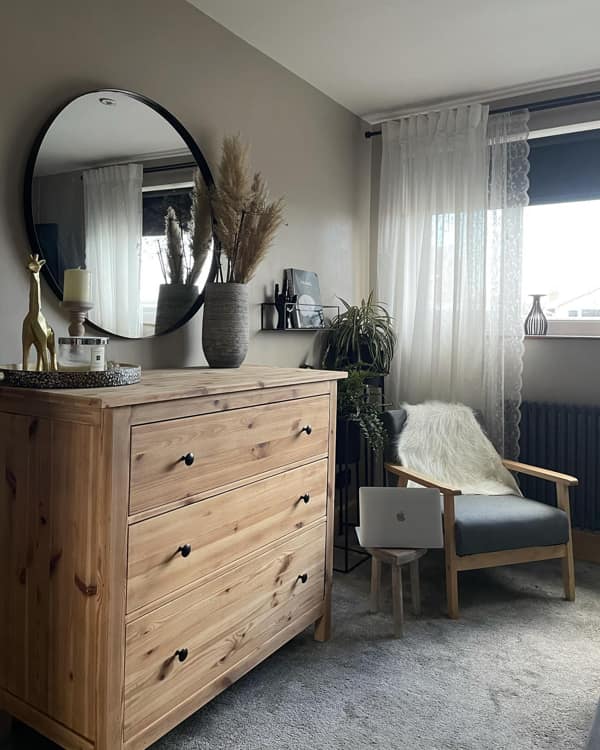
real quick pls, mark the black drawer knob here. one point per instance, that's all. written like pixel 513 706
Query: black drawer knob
pixel 303 578
pixel 307 429
pixel 305 498
pixel 188 459
pixel 185 550
pixel 182 654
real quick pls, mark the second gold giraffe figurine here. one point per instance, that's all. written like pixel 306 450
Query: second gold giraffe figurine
pixel 36 331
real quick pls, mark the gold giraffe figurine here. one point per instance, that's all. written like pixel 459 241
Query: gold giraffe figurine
pixel 36 332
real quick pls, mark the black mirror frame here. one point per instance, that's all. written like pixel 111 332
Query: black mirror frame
pixel 28 200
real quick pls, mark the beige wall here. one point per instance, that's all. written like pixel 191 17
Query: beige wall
pixel 309 148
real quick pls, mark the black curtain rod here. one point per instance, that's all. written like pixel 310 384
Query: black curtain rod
pixel 564 101
pixel 170 167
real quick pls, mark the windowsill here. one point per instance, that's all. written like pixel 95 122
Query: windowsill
pixel 563 336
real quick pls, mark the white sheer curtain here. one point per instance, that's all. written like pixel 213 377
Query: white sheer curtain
pixel 509 183
pixel 449 268
pixel 113 235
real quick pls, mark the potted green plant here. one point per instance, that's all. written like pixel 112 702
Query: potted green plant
pixel 359 413
pixel 361 341
pixel 361 337
pixel 245 223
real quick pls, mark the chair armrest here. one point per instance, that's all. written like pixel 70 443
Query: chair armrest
pixel 536 471
pixel 406 473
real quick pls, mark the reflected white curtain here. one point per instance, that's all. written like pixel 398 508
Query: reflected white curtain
pixel 113 235
pixel 449 260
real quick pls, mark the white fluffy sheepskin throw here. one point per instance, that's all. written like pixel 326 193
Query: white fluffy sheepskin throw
pixel 445 442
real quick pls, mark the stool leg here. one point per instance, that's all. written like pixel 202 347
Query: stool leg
pixel 415 589
pixel 397 600
pixel 375 584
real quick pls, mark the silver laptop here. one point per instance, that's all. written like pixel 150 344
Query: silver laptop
pixel 398 517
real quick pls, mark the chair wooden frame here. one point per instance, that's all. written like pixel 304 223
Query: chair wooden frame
pixel 456 563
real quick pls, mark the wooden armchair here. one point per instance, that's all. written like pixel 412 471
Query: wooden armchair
pixel 482 531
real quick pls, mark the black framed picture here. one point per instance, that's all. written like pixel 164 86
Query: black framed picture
pixel 308 310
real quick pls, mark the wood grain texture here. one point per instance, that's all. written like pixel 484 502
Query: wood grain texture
pixel 47 561
pixel 537 471
pixel 323 624
pixel 184 502
pixel 407 474
pixel 219 530
pixel 375 595
pixel 112 536
pixel 49 405
pixel 219 624
pixel 191 407
pixel 74 662
pixel 227 446
pixel 450 556
pixel 509 557
pixel 567 563
pixel 397 601
pixel 172 385
pixel 43 724
pixel 195 700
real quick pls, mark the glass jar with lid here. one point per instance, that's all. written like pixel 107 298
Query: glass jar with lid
pixel 85 354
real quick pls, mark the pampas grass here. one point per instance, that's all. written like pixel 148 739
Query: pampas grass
pixel 246 221
pixel 174 253
pixel 185 254
pixel 201 227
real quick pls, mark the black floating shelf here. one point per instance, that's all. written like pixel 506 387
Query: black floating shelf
pixel 268 317
pixel 297 330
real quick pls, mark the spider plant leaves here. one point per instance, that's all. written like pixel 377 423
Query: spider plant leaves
pixel 361 337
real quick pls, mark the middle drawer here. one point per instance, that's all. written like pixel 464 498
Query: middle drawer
pixel 171 550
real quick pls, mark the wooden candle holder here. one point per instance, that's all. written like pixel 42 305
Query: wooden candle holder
pixel 78 313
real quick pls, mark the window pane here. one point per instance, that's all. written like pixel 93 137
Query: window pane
pixel 561 258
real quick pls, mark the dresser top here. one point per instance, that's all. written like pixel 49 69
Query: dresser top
pixel 168 385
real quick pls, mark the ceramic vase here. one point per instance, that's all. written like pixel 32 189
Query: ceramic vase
pixel 536 323
pixel 225 329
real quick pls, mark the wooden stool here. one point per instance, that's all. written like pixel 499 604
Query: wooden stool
pixel 396 558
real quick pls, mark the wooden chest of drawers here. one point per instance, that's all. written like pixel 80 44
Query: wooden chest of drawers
pixel 157 542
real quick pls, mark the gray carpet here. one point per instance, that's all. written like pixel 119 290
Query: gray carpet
pixel 519 671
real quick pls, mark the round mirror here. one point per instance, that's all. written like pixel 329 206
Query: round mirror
pixel 116 195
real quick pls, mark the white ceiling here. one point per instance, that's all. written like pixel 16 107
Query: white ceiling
pixel 377 55
pixel 87 133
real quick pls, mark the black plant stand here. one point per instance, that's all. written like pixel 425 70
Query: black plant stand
pixel 348 450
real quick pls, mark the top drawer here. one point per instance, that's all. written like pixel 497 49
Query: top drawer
pixel 222 448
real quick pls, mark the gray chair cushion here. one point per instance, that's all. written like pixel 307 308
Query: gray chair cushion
pixel 490 523
pixel 393 421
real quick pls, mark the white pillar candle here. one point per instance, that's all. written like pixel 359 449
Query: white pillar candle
pixel 77 285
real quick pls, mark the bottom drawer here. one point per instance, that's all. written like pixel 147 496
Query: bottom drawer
pixel 182 646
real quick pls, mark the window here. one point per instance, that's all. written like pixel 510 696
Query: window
pixel 561 233
pixel 155 201
pixel 561 259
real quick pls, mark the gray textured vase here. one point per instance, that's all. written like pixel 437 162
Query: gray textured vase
pixel 225 324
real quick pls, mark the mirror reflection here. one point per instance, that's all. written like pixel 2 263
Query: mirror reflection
pixel 116 190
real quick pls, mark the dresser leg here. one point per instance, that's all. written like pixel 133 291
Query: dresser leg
pixel 323 625
pixel 5 725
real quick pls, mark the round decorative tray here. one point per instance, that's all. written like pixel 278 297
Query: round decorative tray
pixel 119 374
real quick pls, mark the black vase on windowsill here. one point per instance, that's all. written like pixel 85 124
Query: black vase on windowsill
pixel 536 323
